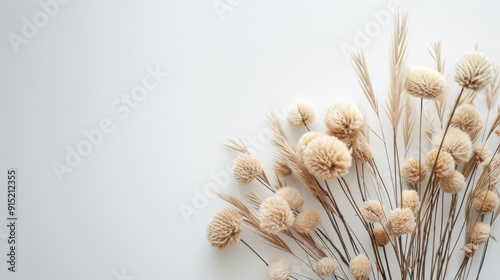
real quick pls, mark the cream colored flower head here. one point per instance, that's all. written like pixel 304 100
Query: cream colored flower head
pixel 292 196
pixel 373 211
pixel 325 267
pixel 224 229
pixel 380 235
pixel 481 151
pixel 344 120
pixel 456 142
pixel 473 70
pixel 480 233
pixel 424 82
pixel 300 115
pixel 279 269
pixel 281 168
pixel 413 171
pixel 468 119
pixel 327 158
pixel 401 221
pixel 470 249
pixel 307 221
pixel 485 202
pixel 305 140
pixel 360 267
pixel 444 166
pixel 410 200
pixel 453 183
pixel 275 215
pixel 246 168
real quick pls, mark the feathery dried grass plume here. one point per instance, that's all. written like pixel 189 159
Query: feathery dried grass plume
pixel 307 221
pixel 486 201
pixel 327 158
pixel 424 82
pixel 410 200
pixel 468 119
pixel 224 229
pixel 473 70
pixel 246 168
pixel 292 196
pixel 275 215
pixel 413 171
pixel 344 121
pixel 445 165
pixel 456 142
pixel 481 151
pixel 279 269
pixel 453 183
pixel 360 267
pixel 300 115
pixel 480 233
pixel 361 152
pixel 305 140
pixel 381 236
pixel 470 249
pixel 373 211
pixel 401 221
pixel 326 267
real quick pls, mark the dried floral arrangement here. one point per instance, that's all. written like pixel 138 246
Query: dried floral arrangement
pixel 433 208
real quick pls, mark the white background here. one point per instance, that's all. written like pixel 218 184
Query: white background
pixel 118 210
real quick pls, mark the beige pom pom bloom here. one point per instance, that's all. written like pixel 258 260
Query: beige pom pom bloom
pixel 401 221
pixel 344 120
pixel 327 158
pixel 453 183
pixel 326 267
pixel 445 164
pixel 470 249
pixel 481 151
pixel 307 221
pixel 275 215
pixel 473 70
pixel 372 211
pixel 456 142
pixel 480 233
pixel 279 269
pixel 224 229
pixel 424 82
pixel 468 119
pixel 360 267
pixel 300 115
pixel 305 140
pixel 246 168
pixel 413 171
pixel 486 201
pixel 410 200
pixel 292 196
pixel 381 237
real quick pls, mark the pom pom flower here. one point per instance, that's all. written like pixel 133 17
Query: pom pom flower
pixel 456 142
pixel 327 158
pixel 444 166
pixel 373 211
pixel 275 215
pixel 486 201
pixel 401 221
pixel 292 196
pixel 413 171
pixel 307 221
pixel 360 267
pixel 300 115
pixel 424 82
pixel 326 267
pixel 279 269
pixel 473 70
pixel 224 229
pixel 344 121
pixel 246 168
pixel 381 237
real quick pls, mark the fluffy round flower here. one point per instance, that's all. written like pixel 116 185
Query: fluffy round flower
pixel 281 168
pixel 343 120
pixel 452 183
pixel 401 221
pixel 372 211
pixel 480 151
pixel 279 269
pixel 292 196
pixel 480 233
pixel 470 249
pixel 486 201
pixel 327 158
pixel 307 221
pixel 275 215
pixel 300 115
pixel 305 140
pixel 326 266
pixel 410 200
pixel 456 142
pixel 424 82
pixel 413 171
pixel 360 267
pixel 246 168
pixel 224 229
pixel 473 70
pixel 468 119
pixel 445 164
pixel 381 237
